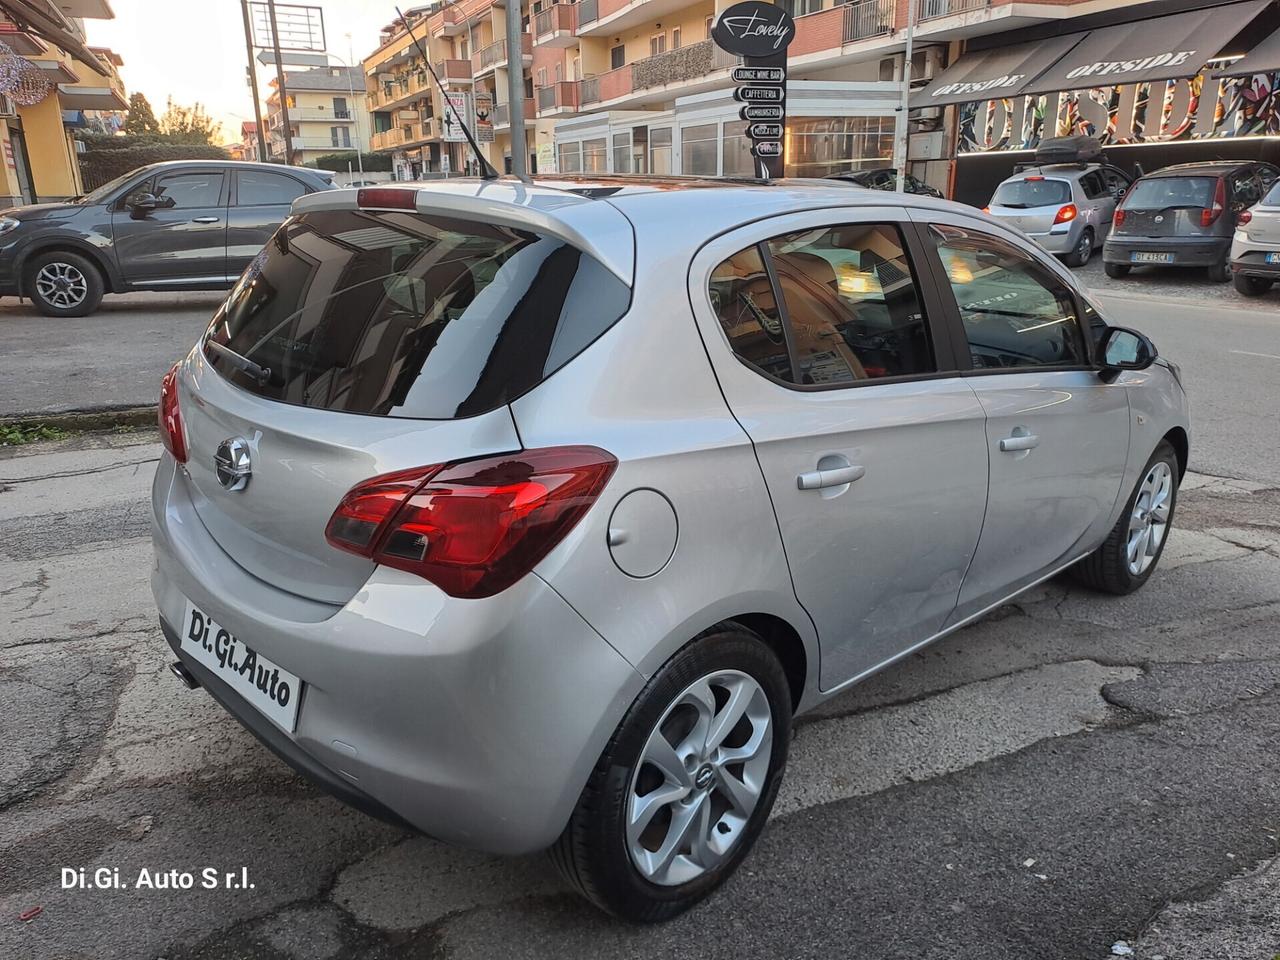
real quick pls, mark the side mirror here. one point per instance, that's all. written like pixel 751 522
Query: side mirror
pixel 1124 349
pixel 143 203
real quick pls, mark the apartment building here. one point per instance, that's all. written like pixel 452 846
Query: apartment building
pixel 327 114
pixel 54 81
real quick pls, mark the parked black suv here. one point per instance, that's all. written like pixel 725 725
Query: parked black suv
pixel 182 225
pixel 1184 216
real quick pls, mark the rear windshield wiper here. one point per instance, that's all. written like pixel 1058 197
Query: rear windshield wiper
pixel 259 373
pixel 1013 206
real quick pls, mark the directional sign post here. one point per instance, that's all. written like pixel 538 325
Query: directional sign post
pixel 759 33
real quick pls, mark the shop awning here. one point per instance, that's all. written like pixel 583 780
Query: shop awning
pixel 1162 48
pixel 46 21
pixel 992 74
pixel 1264 58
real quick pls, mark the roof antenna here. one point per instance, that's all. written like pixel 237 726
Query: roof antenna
pixel 487 170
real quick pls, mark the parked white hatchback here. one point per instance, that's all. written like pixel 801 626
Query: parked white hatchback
pixel 1255 247
pixel 529 514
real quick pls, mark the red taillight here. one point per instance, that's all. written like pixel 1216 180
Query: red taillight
pixel 1117 218
pixel 172 435
pixel 1066 213
pixel 1210 215
pixel 472 528
pixel 1243 217
pixel 387 198
pixel 1033 179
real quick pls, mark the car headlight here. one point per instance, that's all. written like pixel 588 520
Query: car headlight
pixel 8 224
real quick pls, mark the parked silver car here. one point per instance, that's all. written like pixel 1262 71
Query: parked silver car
pixel 1066 208
pixel 1255 247
pixel 511 513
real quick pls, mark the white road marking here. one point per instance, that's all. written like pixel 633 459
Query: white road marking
pixel 1250 353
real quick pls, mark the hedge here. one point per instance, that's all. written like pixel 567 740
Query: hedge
pixel 98 165
pixel 337 162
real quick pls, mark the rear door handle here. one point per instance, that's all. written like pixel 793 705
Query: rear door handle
pixel 1013 444
pixel 836 477
pixel 205 219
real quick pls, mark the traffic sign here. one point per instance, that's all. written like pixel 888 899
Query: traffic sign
pixel 760 112
pixel 759 94
pixel 759 74
pixel 765 131
pixel 767 148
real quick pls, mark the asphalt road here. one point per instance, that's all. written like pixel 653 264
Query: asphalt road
pixel 1071 772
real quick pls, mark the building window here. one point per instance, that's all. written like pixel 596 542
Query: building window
pixel 738 161
pixel 570 156
pixel 700 149
pixel 577 68
pixel 819 146
pixel 340 111
pixel 709 22
pixel 559 72
pixel 660 151
pixel 657 44
pixel 595 156
pixel 622 153
pixel 542 77
pixel 675 38
pixel 803 7
pixel 617 56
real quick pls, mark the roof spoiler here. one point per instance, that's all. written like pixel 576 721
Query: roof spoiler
pixel 593 226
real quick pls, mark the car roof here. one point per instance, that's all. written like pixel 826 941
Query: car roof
pixel 1203 168
pixel 238 164
pixel 1069 171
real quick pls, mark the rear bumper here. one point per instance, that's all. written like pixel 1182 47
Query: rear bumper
pixel 1249 257
pixel 1062 243
pixel 1187 251
pixel 477 722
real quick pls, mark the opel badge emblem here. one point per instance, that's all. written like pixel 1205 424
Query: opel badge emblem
pixel 233 464
pixel 1159 219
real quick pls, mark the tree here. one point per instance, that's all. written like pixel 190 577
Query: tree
pixel 141 119
pixel 188 124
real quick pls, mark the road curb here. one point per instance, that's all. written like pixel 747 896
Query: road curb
pixel 101 419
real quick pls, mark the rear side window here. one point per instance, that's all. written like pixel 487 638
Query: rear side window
pixel 399 314
pixel 1272 199
pixel 1031 192
pixel 742 298
pixel 1161 193
pixel 258 188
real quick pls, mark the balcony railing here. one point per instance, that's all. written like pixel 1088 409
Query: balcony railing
pixel 556 18
pixel 502 113
pixel 868 18
pixel 693 62
pixel 607 86
pixel 454 69
pixel 588 11
pixel 496 53
pixel 932 9
pixel 387 139
pixel 562 95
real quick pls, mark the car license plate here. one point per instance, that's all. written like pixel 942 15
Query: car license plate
pixel 1273 257
pixel 271 690
pixel 1151 258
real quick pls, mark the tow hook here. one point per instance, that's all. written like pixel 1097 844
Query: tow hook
pixel 179 670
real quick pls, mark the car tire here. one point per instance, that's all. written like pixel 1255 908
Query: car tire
pixel 62 284
pixel 1116 271
pixel 1220 272
pixel 1083 249
pixel 1251 286
pixel 620 868
pixel 1126 560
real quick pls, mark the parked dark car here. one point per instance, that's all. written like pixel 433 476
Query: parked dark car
pixel 181 225
pixel 1184 216
pixel 886 178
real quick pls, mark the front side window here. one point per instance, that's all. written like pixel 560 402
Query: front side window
pixel 397 314
pixel 1015 312
pixel 189 190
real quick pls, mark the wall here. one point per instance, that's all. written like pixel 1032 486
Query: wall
pixel 53 165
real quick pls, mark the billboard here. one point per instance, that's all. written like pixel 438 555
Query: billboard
pixel 459 106
pixel 301 27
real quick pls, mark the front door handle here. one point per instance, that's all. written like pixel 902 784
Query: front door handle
pixel 835 477
pixel 205 219
pixel 1025 442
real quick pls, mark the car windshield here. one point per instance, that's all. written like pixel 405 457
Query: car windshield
pixel 1161 193
pixel 1031 192
pixel 111 186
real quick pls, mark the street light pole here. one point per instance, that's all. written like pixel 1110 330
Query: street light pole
pixel 351 92
pixel 515 91
pixel 903 140
pixel 253 82
pixel 280 85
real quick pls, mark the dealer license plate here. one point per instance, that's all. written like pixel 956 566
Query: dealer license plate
pixel 1273 257
pixel 1151 258
pixel 271 690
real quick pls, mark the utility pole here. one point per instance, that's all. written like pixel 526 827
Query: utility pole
pixel 904 139
pixel 253 81
pixel 280 87
pixel 355 109
pixel 515 91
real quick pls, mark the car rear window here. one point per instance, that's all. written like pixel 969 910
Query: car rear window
pixel 1033 192
pixel 406 315
pixel 1160 193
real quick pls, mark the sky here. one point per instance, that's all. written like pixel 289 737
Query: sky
pixel 202 57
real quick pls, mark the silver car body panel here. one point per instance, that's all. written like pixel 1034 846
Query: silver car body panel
pixel 479 721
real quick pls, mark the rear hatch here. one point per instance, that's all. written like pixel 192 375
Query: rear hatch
pixel 1167 207
pixel 1031 203
pixel 1264 220
pixel 389 340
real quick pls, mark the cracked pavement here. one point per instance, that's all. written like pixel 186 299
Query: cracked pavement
pixel 1072 772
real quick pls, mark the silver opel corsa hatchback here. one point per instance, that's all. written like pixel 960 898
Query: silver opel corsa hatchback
pixel 529 515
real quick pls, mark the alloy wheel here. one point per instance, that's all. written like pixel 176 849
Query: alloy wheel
pixel 61 284
pixel 700 775
pixel 1084 249
pixel 1149 521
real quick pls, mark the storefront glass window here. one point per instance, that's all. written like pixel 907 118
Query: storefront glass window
pixel 700 148
pixel 738 161
pixel 595 156
pixel 570 158
pixel 660 151
pixel 819 146
pixel 622 153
